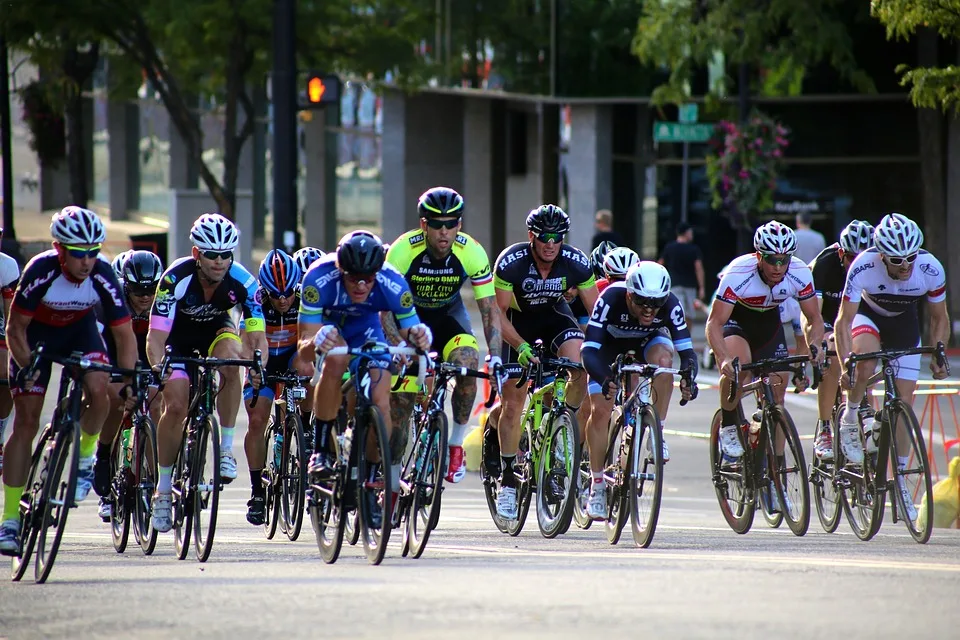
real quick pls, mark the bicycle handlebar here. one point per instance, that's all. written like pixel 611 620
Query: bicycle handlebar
pixel 374 349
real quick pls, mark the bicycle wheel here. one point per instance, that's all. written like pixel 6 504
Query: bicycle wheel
pixel 826 497
pixel 646 477
pixel 766 495
pixel 855 482
pixel 206 484
pixel 428 484
pixel 618 461
pixel 120 491
pixel 30 503
pixel 580 517
pixel 183 497
pixel 293 476
pixel 327 518
pixel 59 496
pixel 557 472
pixel 145 480
pixel 790 480
pixel 490 469
pixel 736 499
pixel 913 476
pixel 268 478
pixel 374 490
pixel 352 527
pixel 523 470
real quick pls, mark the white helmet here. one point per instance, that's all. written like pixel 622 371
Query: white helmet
pixel 213 232
pixel 897 236
pixel 856 237
pixel 307 256
pixel 119 261
pixel 76 225
pixel 649 280
pixel 618 261
pixel 775 237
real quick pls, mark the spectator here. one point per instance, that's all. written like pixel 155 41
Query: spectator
pixel 809 242
pixel 603 225
pixel 684 261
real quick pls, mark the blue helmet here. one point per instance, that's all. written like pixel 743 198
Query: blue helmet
pixel 307 256
pixel 279 273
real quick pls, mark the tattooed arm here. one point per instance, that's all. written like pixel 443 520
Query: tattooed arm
pixel 491 315
pixel 390 328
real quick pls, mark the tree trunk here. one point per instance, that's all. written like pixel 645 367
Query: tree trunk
pixel 233 141
pixel 930 126
pixel 78 67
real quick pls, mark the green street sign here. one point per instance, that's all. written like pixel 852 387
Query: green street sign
pixel 681 132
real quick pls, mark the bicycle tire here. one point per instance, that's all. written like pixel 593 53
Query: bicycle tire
pixel 856 499
pixel 120 490
pixel 326 517
pixel 924 492
pixel 375 535
pixel 352 527
pixel 617 458
pixel 64 457
pixel 488 480
pixel 798 517
pixel 737 509
pixel 271 506
pixel 146 476
pixel 182 502
pixel 826 497
pixel 554 521
pixel 293 478
pixel 427 488
pixel 638 482
pixel 208 436
pixel 29 506
pixel 774 518
pixel 525 481
pixel 580 517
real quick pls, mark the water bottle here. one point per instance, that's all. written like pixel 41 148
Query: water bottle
pixel 753 430
pixel 127 448
pixel 278 450
pixel 346 441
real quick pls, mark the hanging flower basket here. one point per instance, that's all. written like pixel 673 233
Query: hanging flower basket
pixel 47 131
pixel 743 164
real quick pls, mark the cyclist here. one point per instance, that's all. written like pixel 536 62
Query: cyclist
pixel 746 322
pixel 305 257
pixel 436 260
pixel 9 278
pixel 530 279
pixel 59 289
pixel 889 279
pixel 279 278
pixel 829 277
pixel 340 304
pixel 140 273
pixel 616 264
pixel 192 312
pixel 639 315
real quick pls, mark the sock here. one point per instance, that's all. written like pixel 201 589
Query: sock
pixel 457 433
pixel 572 408
pixel 728 418
pixel 103 450
pixel 226 439
pixel 88 444
pixel 256 484
pixel 3 427
pixel 597 476
pixel 507 478
pixel 321 435
pixel 11 502
pixel 165 481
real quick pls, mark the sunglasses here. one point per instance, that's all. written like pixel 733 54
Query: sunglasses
pixel 775 259
pixel 141 292
pixel 648 303
pixel 280 296
pixel 82 252
pixel 550 237
pixel 360 279
pixel 443 224
pixel 896 262
pixel 213 255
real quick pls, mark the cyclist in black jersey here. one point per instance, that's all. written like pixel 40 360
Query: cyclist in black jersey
pixel 829 277
pixel 530 279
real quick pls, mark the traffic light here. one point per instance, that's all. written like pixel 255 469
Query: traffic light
pixel 321 89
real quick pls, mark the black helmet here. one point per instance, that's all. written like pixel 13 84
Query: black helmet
pixel 142 270
pixel 360 252
pixel 596 258
pixel 440 202
pixel 548 218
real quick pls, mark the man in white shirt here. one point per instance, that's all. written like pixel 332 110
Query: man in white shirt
pixel 809 242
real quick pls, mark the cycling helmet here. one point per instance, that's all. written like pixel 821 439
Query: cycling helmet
pixel 440 202
pixel 650 282
pixel 597 256
pixel 619 261
pixel 306 257
pixel 897 236
pixel 213 232
pixel 360 252
pixel 118 261
pixel 775 237
pixel 856 237
pixel 548 218
pixel 142 270
pixel 76 225
pixel 279 273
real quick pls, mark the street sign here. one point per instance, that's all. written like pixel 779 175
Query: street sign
pixel 319 89
pixel 688 113
pixel 681 132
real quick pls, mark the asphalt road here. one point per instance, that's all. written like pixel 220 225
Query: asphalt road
pixel 698 579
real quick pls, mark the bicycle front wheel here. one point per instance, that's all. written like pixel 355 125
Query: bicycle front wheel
pixel 645 486
pixel 558 468
pixel 59 494
pixel 913 489
pixel 205 486
pixel 374 490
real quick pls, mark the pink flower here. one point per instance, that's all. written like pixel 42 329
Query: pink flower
pixel 758 142
pixel 781 141
pixel 777 153
pixel 744 174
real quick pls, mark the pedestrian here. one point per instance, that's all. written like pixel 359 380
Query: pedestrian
pixel 684 261
pixel 809 242
pixel 603 227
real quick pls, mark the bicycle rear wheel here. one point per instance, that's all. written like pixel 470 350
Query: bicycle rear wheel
pixel 523 470
pixel 207 485
pixel 737 501
pixel 618 460
pixel 121 490
pixel 645 477
pixel 766 495
pixel 557 473
pixel 31 505
pixel 580 517
pixel 490 472
pixel 268 478
pixel 293 478
pixel 790 479
pixel 916 507
pixel 428 484
pixel 145 479
pixel 862 509
pixel 183 497
pixel 59 496
pixel 374 491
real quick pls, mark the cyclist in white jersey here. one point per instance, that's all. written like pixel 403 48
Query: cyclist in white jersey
pixel 744 320
pixel 879 311
pixel 9 279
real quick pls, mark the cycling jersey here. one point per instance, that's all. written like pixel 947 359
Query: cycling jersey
pixel 829 277
pixel 141 324
pixel 790 314
pixel 435 282
pixel 9 278
pixel 517 272
pixel 281 328
pixel 181 307
pixel 613 330
pixel 602 284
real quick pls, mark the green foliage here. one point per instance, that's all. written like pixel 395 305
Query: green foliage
pixel 932 87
